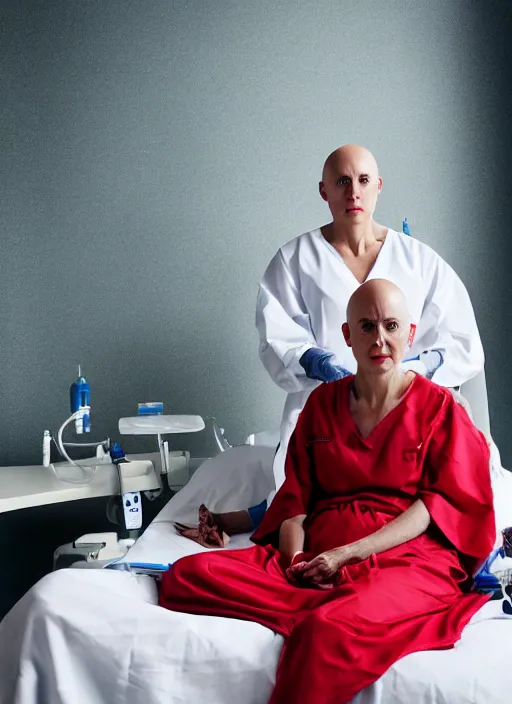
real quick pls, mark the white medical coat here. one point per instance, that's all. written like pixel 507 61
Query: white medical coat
pixel 302 303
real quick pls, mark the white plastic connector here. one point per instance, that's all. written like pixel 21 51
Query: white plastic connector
pixel 47 441
pixel 178 473
pixel 104 546
pixel 136 476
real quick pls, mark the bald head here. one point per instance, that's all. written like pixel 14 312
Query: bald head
pixel 347 156
pixel 377 297
pixel 378 326
pixel 350 185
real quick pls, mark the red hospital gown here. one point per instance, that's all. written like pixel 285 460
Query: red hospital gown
pixel 410 598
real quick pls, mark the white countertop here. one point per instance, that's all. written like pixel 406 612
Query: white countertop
pixel 23 487
pixel 35 485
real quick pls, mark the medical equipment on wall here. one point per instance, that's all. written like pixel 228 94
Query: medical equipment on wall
pixel 79 395
pixel 149 421
pixel 99 548
pixel 131 500
pixel 405 227
pixel 135 476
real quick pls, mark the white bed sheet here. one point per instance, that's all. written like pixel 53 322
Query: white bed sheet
pixel 98 637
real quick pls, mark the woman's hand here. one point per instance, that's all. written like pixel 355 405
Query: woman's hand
pixel 323 569
pixel 300 559
pixel 206 533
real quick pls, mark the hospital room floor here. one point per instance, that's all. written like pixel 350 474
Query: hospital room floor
pixel 29 537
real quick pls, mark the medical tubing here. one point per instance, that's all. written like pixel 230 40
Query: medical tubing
pixel 68 458
pixel 85 444
pixel 218 434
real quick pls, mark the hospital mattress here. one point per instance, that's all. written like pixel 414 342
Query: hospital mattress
pixel 98 637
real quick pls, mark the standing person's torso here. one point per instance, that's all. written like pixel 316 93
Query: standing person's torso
pixel 326 283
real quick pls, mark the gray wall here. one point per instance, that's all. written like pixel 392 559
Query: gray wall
pixel 156 154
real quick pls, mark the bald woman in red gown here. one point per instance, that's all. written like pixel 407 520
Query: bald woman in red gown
pixel 366 553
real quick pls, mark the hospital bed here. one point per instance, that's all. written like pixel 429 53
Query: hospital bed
pixel 95 636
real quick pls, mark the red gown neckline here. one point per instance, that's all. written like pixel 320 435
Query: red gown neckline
pixel 344 398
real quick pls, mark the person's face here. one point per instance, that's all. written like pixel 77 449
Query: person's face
pixel 378 332
pixel 350 186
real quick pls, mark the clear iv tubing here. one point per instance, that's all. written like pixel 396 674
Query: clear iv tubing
pixel 68 458
pixel 87 444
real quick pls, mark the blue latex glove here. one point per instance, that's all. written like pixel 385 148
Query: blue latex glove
pixel 317 365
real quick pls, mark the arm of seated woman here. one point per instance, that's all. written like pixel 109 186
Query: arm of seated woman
pixel 407 526
pixel 291 538
pixel 324 567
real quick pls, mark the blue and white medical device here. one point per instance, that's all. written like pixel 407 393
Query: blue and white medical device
pixel 79 395
pixel 131 500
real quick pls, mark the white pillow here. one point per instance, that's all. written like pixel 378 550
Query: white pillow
pixel 238 478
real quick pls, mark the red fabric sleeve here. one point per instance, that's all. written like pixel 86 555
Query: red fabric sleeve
pixel 293 498
pixel 456 484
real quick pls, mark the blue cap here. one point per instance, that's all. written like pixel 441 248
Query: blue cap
pixel 116 452
pixel 79 394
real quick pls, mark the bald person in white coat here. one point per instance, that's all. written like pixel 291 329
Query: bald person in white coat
pixel 303 296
